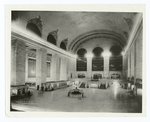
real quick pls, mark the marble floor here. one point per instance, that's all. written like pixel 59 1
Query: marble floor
pixel 112 100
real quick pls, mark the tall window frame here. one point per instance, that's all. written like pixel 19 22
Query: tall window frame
pixel 97 60
pixel 116 60
pixel 81 61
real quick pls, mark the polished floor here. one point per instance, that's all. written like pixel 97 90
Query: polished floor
pixel 112 100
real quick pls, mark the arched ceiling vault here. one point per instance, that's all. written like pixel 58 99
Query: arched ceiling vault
pixel 80 26
pixel 79 40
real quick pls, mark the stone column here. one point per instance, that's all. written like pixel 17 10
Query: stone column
pixel 106 66
pixel 139 61
pixel 63 69
pixel 26 69
pixel 89 67
pixel 53 69
pixel 123 67
pixel 66 69
pixel 58 66
pixel 126 66
pixel 41 69
pixel 18 58
pixel 129 64
pixel 139 54
pixel 67 72
pixel 72 67
pixel 132 60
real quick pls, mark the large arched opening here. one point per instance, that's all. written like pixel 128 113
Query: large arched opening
pixel 115 61
pixel 81 60
pixel 97 62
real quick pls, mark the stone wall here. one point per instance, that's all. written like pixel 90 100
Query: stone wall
pixel 60 65
pixel 139 54
pixel 18 57
pixel 134 57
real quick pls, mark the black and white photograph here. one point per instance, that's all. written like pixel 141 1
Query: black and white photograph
pixel 82 61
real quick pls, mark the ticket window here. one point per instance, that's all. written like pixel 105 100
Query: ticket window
pixel 81 75
pixel 97 76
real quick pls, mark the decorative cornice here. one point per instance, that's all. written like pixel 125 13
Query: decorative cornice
pixel 31 53
pixel 97 34
pixel 49 57
pixel 33 41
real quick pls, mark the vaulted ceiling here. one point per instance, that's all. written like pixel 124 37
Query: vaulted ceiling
pixel 78 27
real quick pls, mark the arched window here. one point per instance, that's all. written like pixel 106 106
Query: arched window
pixel 81 60
pixel 33 27
pixel 115 61
pixel 51 39
pixel 97 60
pixel 63 46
